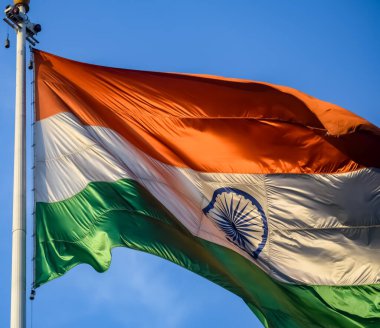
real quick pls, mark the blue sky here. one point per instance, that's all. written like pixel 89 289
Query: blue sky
pixel 329 49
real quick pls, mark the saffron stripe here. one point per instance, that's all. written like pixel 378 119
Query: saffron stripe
pixel 209 124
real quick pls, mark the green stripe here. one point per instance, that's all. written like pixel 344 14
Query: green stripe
pixel 85 227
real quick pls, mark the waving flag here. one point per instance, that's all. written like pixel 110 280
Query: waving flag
pixel 262 189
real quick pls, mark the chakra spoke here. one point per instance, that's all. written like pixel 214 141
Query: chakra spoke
pixel 226 206
pixel 242 218
pixel 221 209
pixel 237 207
pixel 240 212
pixel 231 206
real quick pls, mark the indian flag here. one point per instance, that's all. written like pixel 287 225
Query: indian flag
pixel 260 188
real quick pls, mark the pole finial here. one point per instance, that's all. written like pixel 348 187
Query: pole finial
pixel 24 3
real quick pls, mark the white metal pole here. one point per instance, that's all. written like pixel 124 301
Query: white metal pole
pixel 18 287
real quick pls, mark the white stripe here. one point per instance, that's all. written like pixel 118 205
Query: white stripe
pixel 323 229
pixel 68 158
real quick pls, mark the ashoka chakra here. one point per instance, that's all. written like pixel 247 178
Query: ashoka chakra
pixel 241 217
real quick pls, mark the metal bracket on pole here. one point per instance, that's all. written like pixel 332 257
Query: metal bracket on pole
pixel 14 18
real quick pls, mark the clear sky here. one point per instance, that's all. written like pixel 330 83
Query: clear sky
pixel 329 49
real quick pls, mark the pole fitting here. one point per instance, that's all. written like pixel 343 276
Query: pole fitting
pixel 32 294
pixel 24 3
pixel 15 17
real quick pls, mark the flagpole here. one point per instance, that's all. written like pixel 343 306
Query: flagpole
pixel 25 30
pixel 18 285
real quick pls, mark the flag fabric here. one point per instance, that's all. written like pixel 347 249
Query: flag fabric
pixel 260 188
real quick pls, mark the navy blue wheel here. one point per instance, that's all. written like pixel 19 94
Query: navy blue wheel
pixel 241 217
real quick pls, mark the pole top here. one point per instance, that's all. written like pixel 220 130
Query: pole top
pixel 24 3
